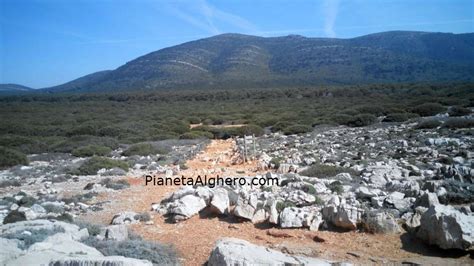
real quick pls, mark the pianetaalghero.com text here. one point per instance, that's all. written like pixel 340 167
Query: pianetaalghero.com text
pixel 209 181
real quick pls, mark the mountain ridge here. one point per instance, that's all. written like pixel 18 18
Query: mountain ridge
pixel 233 60
pixel 14 88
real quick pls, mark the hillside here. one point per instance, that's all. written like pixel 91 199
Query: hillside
pixel 81 82
pixel 14 88
pixel 236 61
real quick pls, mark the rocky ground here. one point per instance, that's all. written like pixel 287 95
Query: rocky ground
pixel 388 193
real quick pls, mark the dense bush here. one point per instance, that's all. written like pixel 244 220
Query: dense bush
pixel 297 129
pixel 72 143
pixel 249 130
pixel 339 119
pixel 157 253
pixel 428 109
pixel 428 124
pixel 324 171
pixel 196 134
pixel 399 117
pixel 62 123
pixel 372 109
pixel 91 150
pixel 9 157
pixel 143 149
pixel 454 123
pixel 362 120
pixel 459 111
pixel 94 164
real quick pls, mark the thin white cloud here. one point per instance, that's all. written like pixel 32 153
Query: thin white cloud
pixel 206 17
pixel 330 9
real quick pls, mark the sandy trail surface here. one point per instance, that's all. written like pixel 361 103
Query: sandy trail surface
pixel 195 238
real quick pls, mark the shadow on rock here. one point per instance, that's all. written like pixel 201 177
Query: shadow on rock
pixel 412 244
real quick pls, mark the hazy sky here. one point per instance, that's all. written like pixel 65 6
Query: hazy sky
pixel 49 42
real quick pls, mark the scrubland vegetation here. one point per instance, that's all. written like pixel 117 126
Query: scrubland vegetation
pixel 94 124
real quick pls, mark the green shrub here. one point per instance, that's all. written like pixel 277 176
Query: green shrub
pixel 9 183
pixel 371 109
pixel 362 120
pixel 64 217
pixel 72 143
pixel 459 111
pixel 340 119
pixel 157 253
pixel 94 164
pixel 35 236
pixel 297 129
pixel 318 201
pixel 325 171
pixel 196 134
pixel 276 161
pixel 9 157
pixel 336 187
pixel 194 120
pixel 93 229
pixel 428 124
pixel 428 109
pixel 458 122
pixel 281 205
pixel 143 149
pixel 91 150
pixel 110 131
pixel 53 208
pixel 279 126
pixel 116 185
pixel 249 130
pixel 399 117
pixel 79 198
pixel 308 188
pixel 446 160
pixel 143 217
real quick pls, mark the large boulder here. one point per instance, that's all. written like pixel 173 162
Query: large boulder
pixel 447 228
pixel 293 217
pixel 237 252
pixel 246 206
pixel 9 249
pixel 117 232
pixel 187 206
pixel 220 201
pixel 380 222
pixel 427 200
pixel 343 216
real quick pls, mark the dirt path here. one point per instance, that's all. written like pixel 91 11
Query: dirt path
pixel 195 238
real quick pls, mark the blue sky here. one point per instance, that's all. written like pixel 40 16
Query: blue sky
pixel 49 42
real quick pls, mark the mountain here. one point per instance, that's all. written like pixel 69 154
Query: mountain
pixel 81 83
pixel 14 88
pixel 236 61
